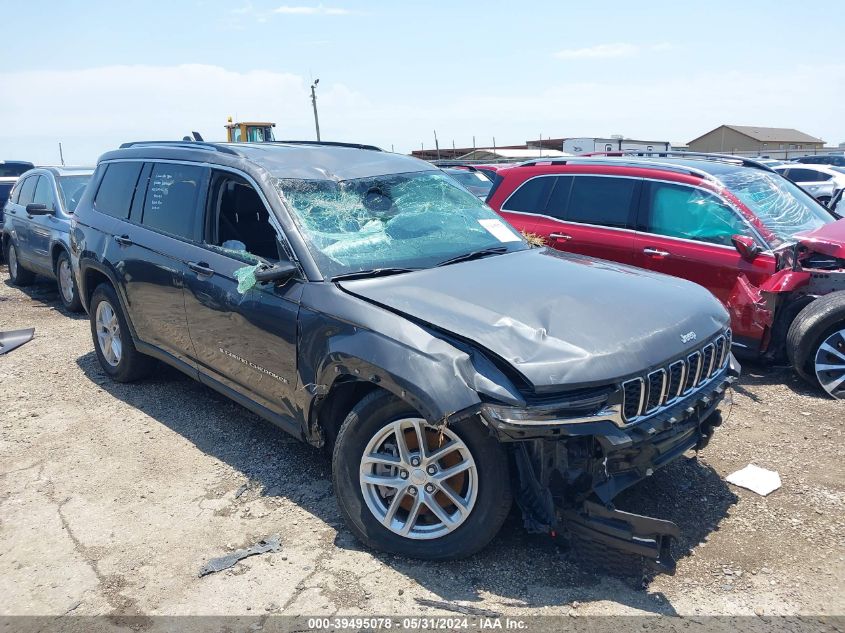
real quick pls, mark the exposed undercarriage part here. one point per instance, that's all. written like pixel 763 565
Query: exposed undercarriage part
pixel 568 483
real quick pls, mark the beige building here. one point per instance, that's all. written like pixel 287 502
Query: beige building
pixel 746 139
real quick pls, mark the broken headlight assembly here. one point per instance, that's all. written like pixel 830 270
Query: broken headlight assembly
pixel 595 407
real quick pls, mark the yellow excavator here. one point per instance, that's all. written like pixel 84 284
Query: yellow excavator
pixel 249 131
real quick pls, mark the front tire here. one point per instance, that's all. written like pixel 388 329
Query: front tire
pixel 68 292
pixel 815 343
pixel 409 488
pixel 18 275
pixel 112 339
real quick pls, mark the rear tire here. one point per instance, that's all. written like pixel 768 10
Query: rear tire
pixel 815 343
pixel 443 533
pixel 68 292
pixel 113 340
pixel 18 275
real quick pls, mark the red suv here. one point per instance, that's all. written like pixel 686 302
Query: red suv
pixel 764 247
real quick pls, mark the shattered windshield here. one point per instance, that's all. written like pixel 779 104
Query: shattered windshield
pixel 782 206
pixel 413 220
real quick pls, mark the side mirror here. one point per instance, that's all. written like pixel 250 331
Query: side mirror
pixel 746 247
pixel 34 208
pixel 281 271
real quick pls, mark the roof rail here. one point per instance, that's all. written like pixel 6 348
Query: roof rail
pixel 332 144
pixel 223 149
pixel 596 159
pixel 725 158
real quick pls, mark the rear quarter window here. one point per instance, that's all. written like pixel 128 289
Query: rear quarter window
pixel 114 196
pixel 531 196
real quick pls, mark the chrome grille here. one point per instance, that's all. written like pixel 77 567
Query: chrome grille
pixel 693 371
pixel 677 373
pixel 633 394
pixel 645 395
pixel 656 390
pixel 707 356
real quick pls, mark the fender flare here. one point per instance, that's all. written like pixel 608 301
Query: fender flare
pixel 86 264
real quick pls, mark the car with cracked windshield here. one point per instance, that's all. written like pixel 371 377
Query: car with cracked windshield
pixel 365 302
pixel 768 250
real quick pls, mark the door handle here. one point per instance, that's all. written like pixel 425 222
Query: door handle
pixel 201 268
pixel 123 240
pixel 560 236
pixel 657 253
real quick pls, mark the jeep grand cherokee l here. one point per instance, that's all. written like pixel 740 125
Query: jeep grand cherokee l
pixel 766 249
pixel 365 301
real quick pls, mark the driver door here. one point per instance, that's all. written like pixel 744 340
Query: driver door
pixel 686 232
pixel 244 340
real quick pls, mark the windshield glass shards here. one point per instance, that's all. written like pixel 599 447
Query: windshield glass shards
pixel 414 220
pixel 783 207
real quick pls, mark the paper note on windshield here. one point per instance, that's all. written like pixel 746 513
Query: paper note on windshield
pixel 498 230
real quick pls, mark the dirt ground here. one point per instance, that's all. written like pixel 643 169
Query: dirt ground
pixel 112 497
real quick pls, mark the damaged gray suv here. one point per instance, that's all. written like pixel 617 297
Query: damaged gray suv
pixel 366 302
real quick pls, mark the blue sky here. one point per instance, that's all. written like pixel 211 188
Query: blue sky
pixel 93 74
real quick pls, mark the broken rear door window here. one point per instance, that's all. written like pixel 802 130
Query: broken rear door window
pixel 413 220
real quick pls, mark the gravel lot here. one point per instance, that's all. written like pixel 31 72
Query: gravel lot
pixel 112 497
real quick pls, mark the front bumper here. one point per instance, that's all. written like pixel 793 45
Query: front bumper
pixel 569 471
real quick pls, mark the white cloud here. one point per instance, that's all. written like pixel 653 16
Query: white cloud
pixel 600 51
pixel 318 10
pixel 104 107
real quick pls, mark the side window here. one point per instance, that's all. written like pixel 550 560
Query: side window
pixel 605 201
pixel 686 212
pixel 114 196
pixel 559 198
pixel 170 205
pixel 808 175
pixel 238 220
pixel 44 193
pixel 531 196
pixel 26 190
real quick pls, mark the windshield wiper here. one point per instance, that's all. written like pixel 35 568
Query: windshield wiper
pixel 484 252
pixel 373 272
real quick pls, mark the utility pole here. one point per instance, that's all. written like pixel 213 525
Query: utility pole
pixel 436 145
pixel 314 103
pixel 61 155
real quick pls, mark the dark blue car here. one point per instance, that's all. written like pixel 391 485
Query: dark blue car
pixel 35 227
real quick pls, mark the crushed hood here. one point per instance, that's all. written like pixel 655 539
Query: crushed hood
pixel 558 319
pixel 827 240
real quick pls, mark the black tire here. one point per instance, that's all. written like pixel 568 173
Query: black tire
pixel 816 322
pixel 492 503
pixel 18 275
pixel 132 364
pixel 73 304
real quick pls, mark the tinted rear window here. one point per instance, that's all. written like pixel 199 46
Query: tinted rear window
pixel 114 197
pixel 531 196
pixel 171 202
pixel 602 201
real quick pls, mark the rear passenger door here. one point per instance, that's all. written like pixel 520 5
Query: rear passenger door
pixel 156 211
pixel 596 215
pixel 18 220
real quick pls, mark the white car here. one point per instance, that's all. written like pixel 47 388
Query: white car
pixel 822 182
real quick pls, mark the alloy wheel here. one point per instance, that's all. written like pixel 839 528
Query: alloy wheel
pixel 108 333
pixel 13 262
pixel 419 481
pixel 66 281
pixel 830 364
